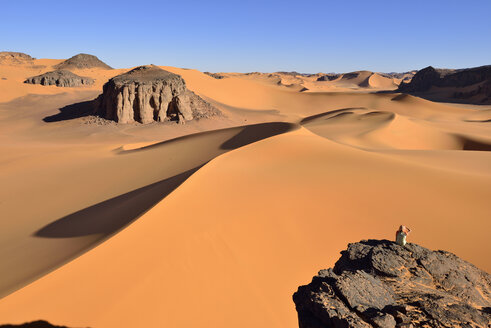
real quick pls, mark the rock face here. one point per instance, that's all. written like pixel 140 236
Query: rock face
pixel 60 78
pixel 470 82
pixel 149 93
pixel 82 61
pixel 328 77
pixel 8 57
pixel 217 76
pixel 377 283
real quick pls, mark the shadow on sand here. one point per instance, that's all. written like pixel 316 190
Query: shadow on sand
pixel 256 132
pixel 113 214
pixel 70 112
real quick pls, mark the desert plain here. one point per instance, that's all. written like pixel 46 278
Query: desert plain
pixel 216 222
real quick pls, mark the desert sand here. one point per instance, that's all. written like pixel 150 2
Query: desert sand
pixel 218 221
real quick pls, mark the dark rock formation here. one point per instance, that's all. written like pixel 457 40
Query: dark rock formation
pixel 405 76
pixel 470 82
pixel 82 61
pixel 217 76
pixel 33 324
pixel 352 75
pixel 8 57
pixel 328 77
pixel 60 78
pixel 149 93
pixel 377 283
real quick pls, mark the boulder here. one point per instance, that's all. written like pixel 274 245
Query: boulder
pixel 149 93
pixel 377 283
pixel 60 78
pixel 82 61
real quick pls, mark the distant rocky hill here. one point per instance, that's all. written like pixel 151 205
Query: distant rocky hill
pixel 472 84
pixel 82 61
pixel 8 57
pixel 328 77
pixel 404 76
pixel 377 283
pixel 149 93
pixel 60 78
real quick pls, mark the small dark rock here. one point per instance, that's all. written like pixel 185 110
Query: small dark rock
pixel 33 324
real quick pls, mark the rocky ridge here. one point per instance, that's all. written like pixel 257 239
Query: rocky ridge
pixel 60 78
pixel 328 77
pixel 464 83
pixel 82 61
pixel 149 93
pixel 14 58
pixel 377 283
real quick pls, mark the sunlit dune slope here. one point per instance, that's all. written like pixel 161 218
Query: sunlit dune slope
pixel 213 223
pixel 238 237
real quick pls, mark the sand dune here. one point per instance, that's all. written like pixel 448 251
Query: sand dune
pixel 216 223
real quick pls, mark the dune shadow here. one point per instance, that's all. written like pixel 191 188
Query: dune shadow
pixel 113 214
pixel 72 111
pixel 469 144
pixel 318 116
pixel 400 95
pixel 247 135
pixel 256 132
pixel 109 216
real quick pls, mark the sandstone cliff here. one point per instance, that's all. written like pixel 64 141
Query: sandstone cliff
pixel 377 283
pixel 149 93
pixel 60 78
pixel 82 61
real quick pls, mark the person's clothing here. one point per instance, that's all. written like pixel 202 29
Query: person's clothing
pixel 401 238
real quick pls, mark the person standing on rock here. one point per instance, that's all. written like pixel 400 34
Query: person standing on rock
pixel 401 235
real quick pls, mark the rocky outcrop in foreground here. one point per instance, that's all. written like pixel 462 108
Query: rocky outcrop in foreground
pixel 377 283
pixel 464 83
pixel 60 78
pixel 149 93
pixel 82 61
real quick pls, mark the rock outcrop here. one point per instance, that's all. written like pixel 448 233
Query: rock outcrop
pixel 217 76
pixel 82 61
pixel 377 283
pixel 462 83
pixel 149 93
pixel 33 324
pixel 14 58
pixel 60 78
pixel 328 77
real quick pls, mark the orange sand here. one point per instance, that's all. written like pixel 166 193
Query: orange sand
pixel 215 229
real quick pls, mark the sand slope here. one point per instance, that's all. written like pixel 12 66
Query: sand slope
pixel 219 228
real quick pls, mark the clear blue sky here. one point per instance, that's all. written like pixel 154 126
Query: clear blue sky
pixel 250 35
